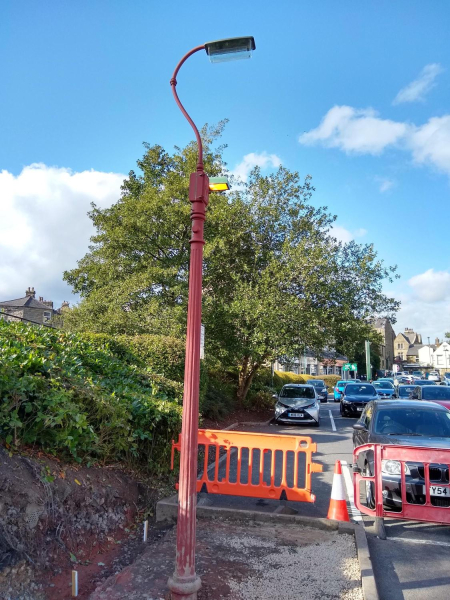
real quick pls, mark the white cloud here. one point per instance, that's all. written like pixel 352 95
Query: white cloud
pixel 254 159
pixel 345 235
pixel 431 286
pixel 355 130
pixel 385 184
pixel 431 143
pixel 363 132
pixel 44 227
pixel 417 89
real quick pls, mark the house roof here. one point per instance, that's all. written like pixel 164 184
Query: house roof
pixel 403 336
pixel 413 350
pixel 27 301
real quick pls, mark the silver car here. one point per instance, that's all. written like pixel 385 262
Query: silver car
pixel 298 403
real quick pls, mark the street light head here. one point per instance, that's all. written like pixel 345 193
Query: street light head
pixel 230 49
pixel 218 184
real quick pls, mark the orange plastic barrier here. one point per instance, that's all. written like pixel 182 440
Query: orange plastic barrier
pixel 255 464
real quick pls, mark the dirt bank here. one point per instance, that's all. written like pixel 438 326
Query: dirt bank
pixel 55 517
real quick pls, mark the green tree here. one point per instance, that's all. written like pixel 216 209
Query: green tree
pixel 275 280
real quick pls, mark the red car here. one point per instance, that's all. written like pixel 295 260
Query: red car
pixel 433 393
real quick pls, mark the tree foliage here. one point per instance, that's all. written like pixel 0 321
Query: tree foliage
pixel 275 279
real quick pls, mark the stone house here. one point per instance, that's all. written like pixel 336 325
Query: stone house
pixel 383 326
pixel 401 346
pixel 28 309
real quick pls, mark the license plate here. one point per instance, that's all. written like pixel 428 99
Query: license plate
pixel 438 490
pixel 359 409
pixel 297 415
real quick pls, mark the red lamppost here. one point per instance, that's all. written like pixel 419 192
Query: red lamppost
pixel 184 583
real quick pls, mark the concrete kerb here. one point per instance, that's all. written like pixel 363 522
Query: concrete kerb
pixel 167 509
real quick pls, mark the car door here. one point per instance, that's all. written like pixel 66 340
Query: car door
pixel 361 436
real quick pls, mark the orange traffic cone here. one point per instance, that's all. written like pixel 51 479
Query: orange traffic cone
pixel 338 504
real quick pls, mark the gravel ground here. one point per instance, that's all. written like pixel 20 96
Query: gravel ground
pixel 326 569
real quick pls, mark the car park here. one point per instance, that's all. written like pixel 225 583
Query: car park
pixel 385 389
pixel 298 403
pixel 433 393
pixel 321 388
pixel 355 398
pixel 408 423
pixel 404 391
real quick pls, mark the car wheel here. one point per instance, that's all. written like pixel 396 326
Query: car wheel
pixel 370 488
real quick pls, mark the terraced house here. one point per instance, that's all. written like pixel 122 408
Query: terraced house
pixel 28 309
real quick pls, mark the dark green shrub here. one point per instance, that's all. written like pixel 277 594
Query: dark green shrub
pixel 77 393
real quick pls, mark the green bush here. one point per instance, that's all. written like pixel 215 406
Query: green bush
pixel 220 395
pixel 161 354
pixel 283 377
pixel 82 395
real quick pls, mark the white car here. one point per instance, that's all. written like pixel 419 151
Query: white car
pixel 434 376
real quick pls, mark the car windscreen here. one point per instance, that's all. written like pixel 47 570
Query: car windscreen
pixel 384 385
pixel 297 392
pixel 412 421
pixel 436 392
pixel 316 383
pixel 424 382
pixel 359 390
pixel 405 390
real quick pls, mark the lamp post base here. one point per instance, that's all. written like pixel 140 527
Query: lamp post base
pixel 185 588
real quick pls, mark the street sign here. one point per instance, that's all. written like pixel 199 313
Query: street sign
pixel 349 367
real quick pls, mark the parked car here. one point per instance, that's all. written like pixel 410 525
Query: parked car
pixel 446 378
pixel 298 403
pixel 434 393
pixel 423 382
pixel 434 376
pixel 339 390
pixel 417 374
pixel 355 398
pixel 405 379
pixel 405 391
pixel 321 388
pixel 405 423
pixel 385 389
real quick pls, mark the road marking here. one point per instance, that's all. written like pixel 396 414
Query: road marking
pixel 355 513
pixel 425 542
pixel 333 426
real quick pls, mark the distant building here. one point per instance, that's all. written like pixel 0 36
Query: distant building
pixel 413 337
pixel 441 358
pixel 384 328
pixel 28 309
pixel 309 364
pixel 425 354
pixel 401 346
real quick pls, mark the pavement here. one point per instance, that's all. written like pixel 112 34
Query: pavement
pixel 247 561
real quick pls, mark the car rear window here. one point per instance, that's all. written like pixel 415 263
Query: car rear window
pixel 404 391
pixel 297 392
pixel 410 421
pixel 436 393
pixel 316 383
pixel 360 390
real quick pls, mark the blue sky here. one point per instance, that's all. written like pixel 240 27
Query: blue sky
pixel 355 94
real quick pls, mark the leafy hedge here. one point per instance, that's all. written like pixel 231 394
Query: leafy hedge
pixel 283 377
pixel 84 395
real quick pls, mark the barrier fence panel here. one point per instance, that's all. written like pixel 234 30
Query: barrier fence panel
pixel 406 482
pixel 258 465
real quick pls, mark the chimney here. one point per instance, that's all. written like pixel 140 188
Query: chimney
pixel 41 299
pixel 48 303
pixel 30 292
pixel 64 305
pixel 436 341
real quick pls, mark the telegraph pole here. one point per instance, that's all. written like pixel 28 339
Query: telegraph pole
pixel 368 365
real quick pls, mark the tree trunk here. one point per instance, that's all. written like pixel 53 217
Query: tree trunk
pixel 245 380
